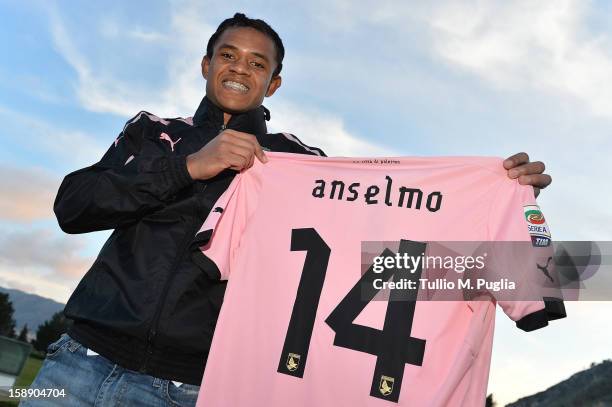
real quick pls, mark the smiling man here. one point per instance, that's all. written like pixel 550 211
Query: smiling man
pixel 144 313
pixel 227 67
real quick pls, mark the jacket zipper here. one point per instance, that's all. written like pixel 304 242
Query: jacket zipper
pixel 155 324
pixel 185 244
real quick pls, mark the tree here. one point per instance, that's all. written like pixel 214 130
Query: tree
pixel 7 322
pixel 23 335
pixel 50 331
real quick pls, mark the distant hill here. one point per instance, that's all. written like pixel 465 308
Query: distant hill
pixel 31 309
pixel 588 388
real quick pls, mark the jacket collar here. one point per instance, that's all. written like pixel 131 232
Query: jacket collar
pixel 253 121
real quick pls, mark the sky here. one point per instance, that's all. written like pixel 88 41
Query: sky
pixel 487 78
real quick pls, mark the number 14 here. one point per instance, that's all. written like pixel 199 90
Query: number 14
pixel 393 346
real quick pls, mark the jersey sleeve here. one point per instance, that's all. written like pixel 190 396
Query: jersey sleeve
pixel 516 220
pixel 220 235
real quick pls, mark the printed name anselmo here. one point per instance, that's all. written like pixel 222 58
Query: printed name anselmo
pixel 408 197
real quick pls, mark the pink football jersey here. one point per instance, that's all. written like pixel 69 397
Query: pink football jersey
pixel 297 328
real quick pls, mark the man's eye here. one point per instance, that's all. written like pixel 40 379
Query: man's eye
pixel 257 64
pixel 226 55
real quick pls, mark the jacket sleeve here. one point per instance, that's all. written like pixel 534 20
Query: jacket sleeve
pixel 135 177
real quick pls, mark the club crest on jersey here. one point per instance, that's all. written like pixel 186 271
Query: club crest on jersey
pixel 536 224
pixel 386 385
pixel 293 362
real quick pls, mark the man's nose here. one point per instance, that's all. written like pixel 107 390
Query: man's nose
pixel 240 66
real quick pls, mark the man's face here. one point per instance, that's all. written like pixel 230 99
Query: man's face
pixel 239 73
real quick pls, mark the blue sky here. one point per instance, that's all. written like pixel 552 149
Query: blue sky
pixel 381 78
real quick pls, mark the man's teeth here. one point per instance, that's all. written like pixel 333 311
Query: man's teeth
pixel 236 86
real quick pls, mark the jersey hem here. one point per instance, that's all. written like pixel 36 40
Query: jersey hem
pixel 555 308
pixel 533 321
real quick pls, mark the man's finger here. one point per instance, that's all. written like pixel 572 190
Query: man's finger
pixel 241 139
pixel 536 167
pixel 244 150
pixel 236 158
pixel 251 161
pixel 516 160
pixel 254 145
pixel 259 153
pixel 246 139
pixel 536 180
pixel 236 161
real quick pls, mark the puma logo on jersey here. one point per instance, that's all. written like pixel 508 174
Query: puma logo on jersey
pixel 166 137
pixel 218 209
pixel 544 269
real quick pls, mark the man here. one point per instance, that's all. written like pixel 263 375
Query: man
pixel 144 314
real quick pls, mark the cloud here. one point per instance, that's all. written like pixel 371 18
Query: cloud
pixel 562 349
pixel 29 194
pixel 146 36
pixel 16 282
pixel 31 85
pixel 550 48
pixel 544 46
pixel 319 129
pixel 40 135
pixel 112 29
pixel 99 88
pixel 185 90
pixel 96 91
pixel 33 283
pixel 45 251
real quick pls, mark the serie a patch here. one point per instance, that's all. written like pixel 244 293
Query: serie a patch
pixel 536 223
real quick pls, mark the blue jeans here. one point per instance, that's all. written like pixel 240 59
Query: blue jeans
pixel 96 381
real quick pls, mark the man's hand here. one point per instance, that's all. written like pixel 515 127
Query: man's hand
pixel 528 173
pixel 230 149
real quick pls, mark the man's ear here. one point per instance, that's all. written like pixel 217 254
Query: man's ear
pixel 205 66
pixel 275 83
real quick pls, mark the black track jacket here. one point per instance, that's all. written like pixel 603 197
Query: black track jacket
pixel 144 304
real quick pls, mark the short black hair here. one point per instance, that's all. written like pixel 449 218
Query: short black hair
pixel 240 20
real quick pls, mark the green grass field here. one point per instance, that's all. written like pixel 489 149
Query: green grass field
pixel 25 378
